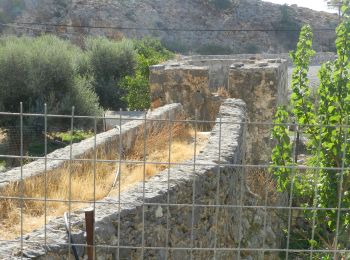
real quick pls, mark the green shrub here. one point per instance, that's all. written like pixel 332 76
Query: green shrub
pixel 152 48
pixel 138 92
pixel 43 70
pixel 149 52
pixel 108 62
pixel 76 137
pixel 325 125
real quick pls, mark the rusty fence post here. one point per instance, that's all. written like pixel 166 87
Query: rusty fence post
pixel 89 221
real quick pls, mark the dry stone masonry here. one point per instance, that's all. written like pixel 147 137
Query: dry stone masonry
pixel 219 221
pixel 261 83
pixel 161 211
pixel 105 143
pixel 186 84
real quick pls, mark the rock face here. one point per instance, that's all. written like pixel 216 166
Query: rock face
pixel 185 14
pixel 225 221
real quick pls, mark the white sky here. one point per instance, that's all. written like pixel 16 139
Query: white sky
pixel 319 5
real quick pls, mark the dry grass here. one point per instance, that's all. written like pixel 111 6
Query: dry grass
pixel 262 183
pixel 157 144
pixel 2 135
pixel 80 177
pixel 223 92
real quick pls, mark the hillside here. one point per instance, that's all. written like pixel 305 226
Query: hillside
pixel 181 14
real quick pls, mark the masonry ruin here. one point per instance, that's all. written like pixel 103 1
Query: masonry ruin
pixel 202 208
pixel 194 82
pixel 168 210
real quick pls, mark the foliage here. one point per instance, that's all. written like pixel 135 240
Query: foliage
pixel 77 136
pixel 152 48
pixel 107 62
pixel 300 98
pixel 282 152
pixel 138 93
pixel 56 140
pixel 328 141
pixel 149 52
pixel 2 165
pixel 42 70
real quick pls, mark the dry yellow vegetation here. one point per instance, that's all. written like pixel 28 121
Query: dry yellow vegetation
pixel 76 181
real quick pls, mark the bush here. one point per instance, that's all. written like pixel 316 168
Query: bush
pixel 152 48
pixel 138 92
pixel 149 52
pixel 108 62
pixel 43 70
pixel 326 181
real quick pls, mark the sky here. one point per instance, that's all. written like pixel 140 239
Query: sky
pixel 318 5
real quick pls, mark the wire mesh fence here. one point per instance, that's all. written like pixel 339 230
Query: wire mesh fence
pixel 157 187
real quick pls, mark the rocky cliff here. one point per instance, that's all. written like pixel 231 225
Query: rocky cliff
pixel 268 24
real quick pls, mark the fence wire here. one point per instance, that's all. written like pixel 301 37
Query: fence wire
pixel 297 235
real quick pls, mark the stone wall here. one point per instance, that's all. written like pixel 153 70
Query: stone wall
pixel 218 71
pixel 186 84
pixel 262 84
pixel 220 224
pixel 106 143
pixel 318 59
pixel 112 118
